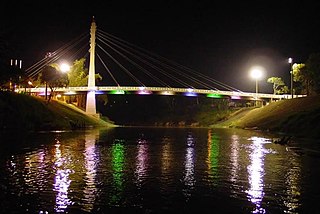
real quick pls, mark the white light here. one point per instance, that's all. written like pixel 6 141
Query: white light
pixel 190 90
pixel 256 72
pixel 64 67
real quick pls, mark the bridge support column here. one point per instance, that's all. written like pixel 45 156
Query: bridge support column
pixel 91 97
pixel 91 103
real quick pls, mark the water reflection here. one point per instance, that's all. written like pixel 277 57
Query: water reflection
pixel 189 179
pixel 62 180
pixel 213 153
pixel 118 161
pixel 166 158
pixel 34 176
pixel 234 158
pixel 141 162
pixel 256 172
pixel 72 171
pixel 91 160
pixel 293 181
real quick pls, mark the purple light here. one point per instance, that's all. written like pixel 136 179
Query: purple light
pixel 144 92
pixel 235 97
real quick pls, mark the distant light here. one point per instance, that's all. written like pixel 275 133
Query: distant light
pixel 190 94
pixel 144 92
pixel 29 83
pixel 190 90
pixel 233 97
pixel 214 95
pixel 166 93
pixel 117 92
pixel 99 92
pixel 290 60
pixel 70 93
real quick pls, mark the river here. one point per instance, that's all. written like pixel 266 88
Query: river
pixel 158 170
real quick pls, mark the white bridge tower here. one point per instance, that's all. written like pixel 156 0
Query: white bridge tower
pixel 91 96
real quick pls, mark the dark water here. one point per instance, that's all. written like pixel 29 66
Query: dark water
pixel 158 170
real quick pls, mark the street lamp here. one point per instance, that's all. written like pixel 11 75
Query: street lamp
pixel 291 77
pixel 256 73
pixel 64 67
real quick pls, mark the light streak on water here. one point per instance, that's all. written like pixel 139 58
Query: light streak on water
pixel 62 181
pixel 234 158
pixel 213 153
pixel 256 173
pixel 91 161
pixel 117 172
pixel 189 179
pixel 293 181
pixel 141 162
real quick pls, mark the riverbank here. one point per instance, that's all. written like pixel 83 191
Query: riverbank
pixel 27 113
pixel 298 117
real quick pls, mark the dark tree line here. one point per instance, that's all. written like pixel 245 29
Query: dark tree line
pixel 306 76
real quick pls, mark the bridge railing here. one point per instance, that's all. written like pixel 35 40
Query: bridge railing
pixel 161 89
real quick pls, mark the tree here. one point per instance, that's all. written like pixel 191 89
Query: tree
pixel 301 78
pixel 78 75
pixel 52 77
pixel 312 73
pixel 278 85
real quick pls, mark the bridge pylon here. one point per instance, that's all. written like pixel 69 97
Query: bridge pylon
pixel 91 96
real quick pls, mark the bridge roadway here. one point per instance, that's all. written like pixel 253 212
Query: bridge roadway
pixel 164 91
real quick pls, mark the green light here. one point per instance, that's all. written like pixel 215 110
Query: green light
pixel 117 167
pixel 214 95
pixel 213 155
pixel 117 92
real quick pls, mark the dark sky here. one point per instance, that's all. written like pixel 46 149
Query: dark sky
pixel 221 40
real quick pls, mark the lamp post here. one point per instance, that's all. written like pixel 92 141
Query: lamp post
pixel 291 77
pixel 256 74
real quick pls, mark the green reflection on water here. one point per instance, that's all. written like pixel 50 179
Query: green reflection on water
pixel 117 168
pixel 213 154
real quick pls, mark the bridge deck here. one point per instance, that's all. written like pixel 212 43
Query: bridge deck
pixel 163 90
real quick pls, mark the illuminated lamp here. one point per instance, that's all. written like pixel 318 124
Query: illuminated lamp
pixel 234 97
pixel 117 92
pixel 144 92
pixel 70 93
pixel 99 92
pixel 166 93
pixel 214 95
pixel 190 94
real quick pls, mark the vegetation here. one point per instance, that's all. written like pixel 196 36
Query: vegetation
pixel 52 78
pixel 307 76
pixel 23 112
pixel 278 85
pixel 78 74
pixel 299 117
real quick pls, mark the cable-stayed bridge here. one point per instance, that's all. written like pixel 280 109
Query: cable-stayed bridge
pixel 129 68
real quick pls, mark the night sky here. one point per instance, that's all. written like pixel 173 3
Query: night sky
pixel 221 40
